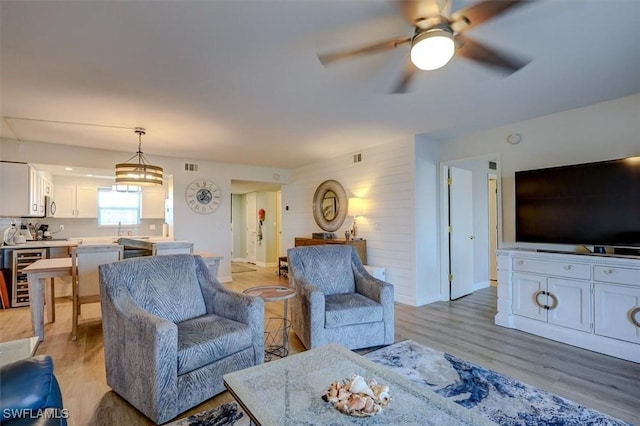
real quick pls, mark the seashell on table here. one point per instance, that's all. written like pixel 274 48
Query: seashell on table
pixel 357 397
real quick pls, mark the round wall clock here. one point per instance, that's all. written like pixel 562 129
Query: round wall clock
pixel 203 196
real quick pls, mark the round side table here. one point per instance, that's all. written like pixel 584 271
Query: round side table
pixel 276 329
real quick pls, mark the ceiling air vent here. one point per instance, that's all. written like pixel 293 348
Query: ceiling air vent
pixel 190 167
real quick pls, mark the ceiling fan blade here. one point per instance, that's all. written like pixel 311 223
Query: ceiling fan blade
pixel 476 14
pixel 330 58
pixel 481 53
pixel 415 10
pixel 408 73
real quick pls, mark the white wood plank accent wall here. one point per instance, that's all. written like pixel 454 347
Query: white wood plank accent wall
pixel 385 179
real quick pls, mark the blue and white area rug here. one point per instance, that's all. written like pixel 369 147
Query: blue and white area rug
pixel 501 399
pixel 224 415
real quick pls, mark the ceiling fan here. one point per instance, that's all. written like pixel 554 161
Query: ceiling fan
pixel 438 35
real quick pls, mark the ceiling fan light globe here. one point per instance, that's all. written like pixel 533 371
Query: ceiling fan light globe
pixel 432 49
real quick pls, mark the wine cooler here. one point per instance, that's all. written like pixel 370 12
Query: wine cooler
pixel 22 259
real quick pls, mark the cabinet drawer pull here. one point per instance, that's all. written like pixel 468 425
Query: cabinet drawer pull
pixel 567 267
pixel 632 316
pixel 607 271
pixel 554 300
pixel 520 262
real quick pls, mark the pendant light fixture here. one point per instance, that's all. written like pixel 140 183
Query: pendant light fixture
pixel 140 173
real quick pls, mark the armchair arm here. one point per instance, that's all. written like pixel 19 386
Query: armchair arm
pixel 369 286
pixel 138 341
pixel 238 307
pixel 230 304
pixel 308 312
pixel 381 292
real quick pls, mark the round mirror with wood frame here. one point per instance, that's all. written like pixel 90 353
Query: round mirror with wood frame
pixel 330 205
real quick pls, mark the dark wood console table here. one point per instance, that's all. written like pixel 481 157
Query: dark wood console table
pixel 359 245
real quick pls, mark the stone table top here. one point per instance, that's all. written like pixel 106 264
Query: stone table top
pixel 289 391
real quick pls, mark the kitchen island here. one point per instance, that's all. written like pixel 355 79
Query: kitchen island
pixel 134 247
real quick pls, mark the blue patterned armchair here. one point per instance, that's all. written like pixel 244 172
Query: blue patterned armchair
pixel 338 300
pixel 171 331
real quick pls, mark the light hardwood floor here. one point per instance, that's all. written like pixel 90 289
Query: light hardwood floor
pixel 464 328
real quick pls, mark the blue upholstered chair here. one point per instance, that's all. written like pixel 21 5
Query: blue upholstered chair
pixel 171 331
pixel 338 301
pixel 30 394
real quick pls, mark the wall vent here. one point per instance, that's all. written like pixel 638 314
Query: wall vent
pixel 493 165
pixel 190 167
pixel 357 158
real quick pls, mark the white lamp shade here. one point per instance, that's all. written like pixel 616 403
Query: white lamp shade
pixel 355 207
pixel 432 49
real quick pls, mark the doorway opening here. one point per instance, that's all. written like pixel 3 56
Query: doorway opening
pixel 256 222
pixel 470 224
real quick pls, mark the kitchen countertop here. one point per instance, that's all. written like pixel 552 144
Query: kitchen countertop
pixel 72 242
pixel 40 244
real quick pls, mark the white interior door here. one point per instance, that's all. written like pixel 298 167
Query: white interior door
pixel 461 238
pixel 279 223
pixel 251 221
pixel 493 228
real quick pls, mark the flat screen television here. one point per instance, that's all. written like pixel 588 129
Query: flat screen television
pixel 583 204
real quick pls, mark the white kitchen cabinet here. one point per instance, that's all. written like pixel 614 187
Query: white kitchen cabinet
pixel 20 190
pixel 41 186
pixel 46 182
pixel 76 201
pixel 65 201
pixel 589 301
pixel 153 203
pixel 35 192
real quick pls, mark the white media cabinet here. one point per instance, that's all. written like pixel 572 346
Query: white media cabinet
pixel 589 301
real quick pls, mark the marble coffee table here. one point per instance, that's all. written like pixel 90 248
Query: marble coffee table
pixel 289 391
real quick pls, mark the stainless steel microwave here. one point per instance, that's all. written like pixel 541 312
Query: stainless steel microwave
pixel 49 207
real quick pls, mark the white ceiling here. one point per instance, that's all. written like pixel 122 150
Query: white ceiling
pixel 240 82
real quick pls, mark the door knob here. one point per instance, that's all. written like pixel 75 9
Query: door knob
pixel 472 237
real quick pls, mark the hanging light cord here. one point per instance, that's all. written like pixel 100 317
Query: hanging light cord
pixel 141 159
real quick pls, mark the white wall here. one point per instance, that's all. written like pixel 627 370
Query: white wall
pixel 426 235
pixel 604 131
pixel 400 184
pixel 384 179
pixel 209 233
pixel 239 234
